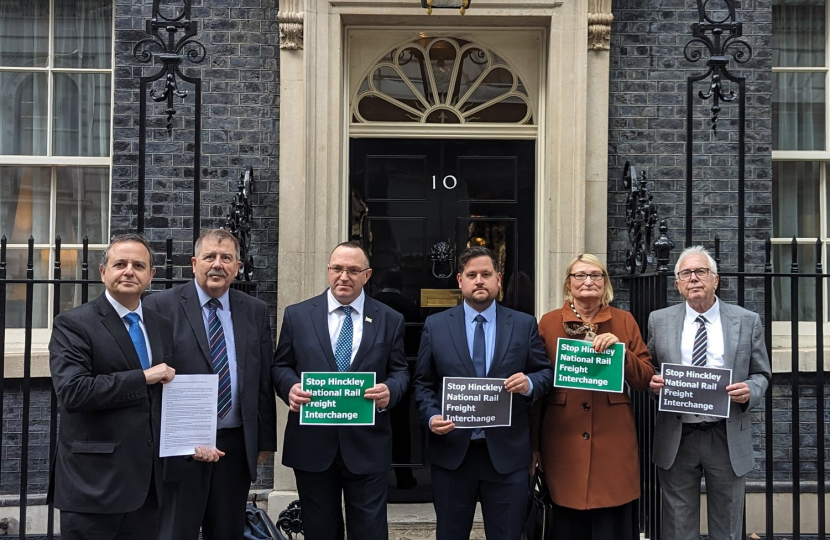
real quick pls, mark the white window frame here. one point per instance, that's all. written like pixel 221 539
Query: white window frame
pixel 40 336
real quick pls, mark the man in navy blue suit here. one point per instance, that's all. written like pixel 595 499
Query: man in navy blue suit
pixel 341 330
pixel 480 339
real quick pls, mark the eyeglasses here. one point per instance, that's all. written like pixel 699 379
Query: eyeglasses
pixel 686 275
pixel 583 277
pixel 351 270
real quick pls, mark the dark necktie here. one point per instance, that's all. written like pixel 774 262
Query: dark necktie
pixel 479 359
pixel 479 349
pixel 138 339
pixel 699 349
pixel 219 358
pixel 343 348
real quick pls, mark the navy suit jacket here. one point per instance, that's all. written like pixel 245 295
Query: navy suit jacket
pixel 108 439
pixel 254 351
pixel 444 353
pixel 304 345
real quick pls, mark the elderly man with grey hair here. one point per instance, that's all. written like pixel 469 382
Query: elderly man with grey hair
pixel 707 332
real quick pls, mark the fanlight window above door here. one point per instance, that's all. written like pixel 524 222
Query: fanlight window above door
pixel 442 81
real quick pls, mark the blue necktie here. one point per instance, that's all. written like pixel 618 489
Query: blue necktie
pixel 479 359
pixel 138 339
pixel 343 349
pixel 219 358
pixel 479 349
pixel 699 349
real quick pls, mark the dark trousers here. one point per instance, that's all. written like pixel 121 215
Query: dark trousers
pixel 321 501
pixel 503 497
pixel 141 524
pixel 213 497
pixel 615 522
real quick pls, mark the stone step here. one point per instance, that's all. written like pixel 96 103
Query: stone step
pixel 416 521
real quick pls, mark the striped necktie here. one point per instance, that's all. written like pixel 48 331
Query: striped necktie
pixel 219 358
pixel 699 349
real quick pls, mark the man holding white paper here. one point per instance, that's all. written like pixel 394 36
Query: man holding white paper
pixel 341 330
pixel 703 331
pixel 224 333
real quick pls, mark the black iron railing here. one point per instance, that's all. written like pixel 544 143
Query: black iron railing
pixel 794 414
pixel 21 444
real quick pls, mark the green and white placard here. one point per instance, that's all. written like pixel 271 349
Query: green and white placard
pixel 337 399
pixel 578 365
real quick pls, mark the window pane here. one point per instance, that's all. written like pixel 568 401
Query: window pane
pixel 24 204
pixel 82 203
pixel 82 114
pixel 23 113
pixel 83 34
pixel 795 199
pixel 798 111
pixel 24 33
pixel 798 28
pixel 17 260
pixel 72 294
pixel 781 287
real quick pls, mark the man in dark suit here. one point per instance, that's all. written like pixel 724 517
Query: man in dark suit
pixel 107 358
pixel 213 494
pixel 703 331
pixel 476 339
pixel 341 330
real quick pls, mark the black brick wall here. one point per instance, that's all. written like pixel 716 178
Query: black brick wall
pixel 240 126
pixel 11 465
pixel 647 126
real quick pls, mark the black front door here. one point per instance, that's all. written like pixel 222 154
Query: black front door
pixel 416 204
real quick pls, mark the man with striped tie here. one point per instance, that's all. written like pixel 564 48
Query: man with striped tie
pixel 703 331
pixel 342 329
pixel 226 332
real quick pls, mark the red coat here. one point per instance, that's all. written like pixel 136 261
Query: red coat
pixel 589 443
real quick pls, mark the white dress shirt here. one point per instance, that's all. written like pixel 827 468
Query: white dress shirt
pixel 122 312
pixel 234 417
pixel 714 347
pixel 336 318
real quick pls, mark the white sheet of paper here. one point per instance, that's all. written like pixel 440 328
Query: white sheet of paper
pixel 188 414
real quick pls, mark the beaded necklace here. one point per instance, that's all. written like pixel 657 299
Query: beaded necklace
pixel 589 329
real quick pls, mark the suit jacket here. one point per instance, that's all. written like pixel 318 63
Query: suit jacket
pixel 304 345
pixel 444 353
pixel 744 353
pixel 109 423
pixel 254 350
pixel 602 470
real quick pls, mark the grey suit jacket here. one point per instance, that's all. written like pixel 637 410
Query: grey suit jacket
pixel 744 353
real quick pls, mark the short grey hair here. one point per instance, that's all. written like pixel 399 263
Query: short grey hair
pixel 127 237
pixel 696 250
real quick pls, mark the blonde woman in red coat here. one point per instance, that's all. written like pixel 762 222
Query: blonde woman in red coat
pixel 588 441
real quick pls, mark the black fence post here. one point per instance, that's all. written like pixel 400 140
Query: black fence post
pixel 768 403
pixel 820 469
pixel 26 387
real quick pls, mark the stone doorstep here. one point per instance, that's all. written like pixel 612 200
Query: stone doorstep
pixel 413 521
pixel 417 522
